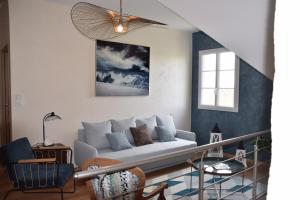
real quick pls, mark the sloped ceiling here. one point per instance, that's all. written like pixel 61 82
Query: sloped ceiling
pixel 245 27
pixel 149 9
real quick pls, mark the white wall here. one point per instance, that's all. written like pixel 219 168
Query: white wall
pixel 53 66
pixel 285 103
pixel 245 27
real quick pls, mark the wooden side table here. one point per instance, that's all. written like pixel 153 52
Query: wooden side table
pixel 59 151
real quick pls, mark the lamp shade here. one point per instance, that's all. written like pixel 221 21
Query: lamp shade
pixel 51 116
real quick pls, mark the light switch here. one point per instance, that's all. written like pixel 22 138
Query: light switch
pixel 19 100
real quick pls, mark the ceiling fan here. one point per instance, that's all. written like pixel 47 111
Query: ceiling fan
pixel 100 23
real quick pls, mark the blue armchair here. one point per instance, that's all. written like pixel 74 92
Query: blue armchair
pixel 28 173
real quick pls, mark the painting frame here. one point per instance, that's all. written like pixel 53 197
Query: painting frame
pixel 121 69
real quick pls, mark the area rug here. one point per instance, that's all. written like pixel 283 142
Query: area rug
pixel 180 186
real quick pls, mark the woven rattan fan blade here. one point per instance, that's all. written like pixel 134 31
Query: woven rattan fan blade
pixel 97 23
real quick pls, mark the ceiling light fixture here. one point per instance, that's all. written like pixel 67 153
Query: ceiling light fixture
pixel 100 23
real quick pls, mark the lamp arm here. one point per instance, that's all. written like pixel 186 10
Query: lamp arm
pixel 45 117
pixel 43 131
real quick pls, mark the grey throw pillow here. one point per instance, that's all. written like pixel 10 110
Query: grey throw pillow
pixel 95 134
pixel 165 134
pixel 118 141
pixel 151 124
pixel 124 125
pixel 167 122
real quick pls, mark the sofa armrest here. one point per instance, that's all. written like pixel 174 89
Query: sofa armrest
pixel 186 135
pixel 83 151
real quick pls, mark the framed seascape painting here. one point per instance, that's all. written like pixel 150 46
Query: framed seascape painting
pixel 122 69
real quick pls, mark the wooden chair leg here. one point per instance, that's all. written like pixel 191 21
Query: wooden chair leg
pixel 7 193
pixel 61 193
pixel 162 196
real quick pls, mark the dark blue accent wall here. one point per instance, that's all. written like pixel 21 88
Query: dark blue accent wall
pixel 255 97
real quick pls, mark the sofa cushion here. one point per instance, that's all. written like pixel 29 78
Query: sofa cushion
pixel 95 134
pixel 141 135
pixel 124 125
pixel 166 121
pixel 151 124
pixel 118 141
pixel 146 151
pixel 165 134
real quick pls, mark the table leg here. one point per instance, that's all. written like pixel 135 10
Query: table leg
pixel 191 179
pixel 243 182
pixel 220 187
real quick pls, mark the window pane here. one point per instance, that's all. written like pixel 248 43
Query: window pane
pixel 226 79
pixel 209 62
pixel 227 60
pixel 226 97
pixel 208 97
pixel 208 79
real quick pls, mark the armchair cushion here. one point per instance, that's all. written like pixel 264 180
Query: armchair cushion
pixel 110 185
pixel 17 150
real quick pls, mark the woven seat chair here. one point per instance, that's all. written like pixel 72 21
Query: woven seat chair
pixel 121 185
pixel 26 173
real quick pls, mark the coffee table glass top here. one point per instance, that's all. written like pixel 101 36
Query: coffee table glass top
pixel 226 168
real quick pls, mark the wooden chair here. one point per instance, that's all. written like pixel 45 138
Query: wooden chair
pixel 105 162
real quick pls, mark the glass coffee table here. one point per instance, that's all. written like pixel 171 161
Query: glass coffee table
pixel 217 166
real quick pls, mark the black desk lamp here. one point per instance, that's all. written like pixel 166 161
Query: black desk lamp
pixel 48 117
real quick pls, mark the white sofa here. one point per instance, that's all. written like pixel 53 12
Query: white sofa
pixel 184 140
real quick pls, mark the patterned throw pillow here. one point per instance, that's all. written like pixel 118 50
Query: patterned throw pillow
pixel 108 186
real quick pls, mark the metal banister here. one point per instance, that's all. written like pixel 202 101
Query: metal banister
pixel 163 157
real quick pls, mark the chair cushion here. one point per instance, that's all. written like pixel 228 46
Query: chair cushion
pixel 95 134
pixel 166 121
pixel 17 150
pixel 165 134
pixel 110 185
pixel 124 125
pixel 141 135
pixel 151 124
pixel 118 141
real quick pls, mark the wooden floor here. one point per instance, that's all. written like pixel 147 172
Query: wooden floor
pixel 81 192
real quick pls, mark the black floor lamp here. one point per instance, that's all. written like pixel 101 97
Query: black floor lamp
pixel 48 117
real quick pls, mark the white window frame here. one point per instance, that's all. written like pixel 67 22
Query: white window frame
pixel 235 108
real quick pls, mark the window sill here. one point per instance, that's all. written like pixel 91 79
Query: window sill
pixel 219 108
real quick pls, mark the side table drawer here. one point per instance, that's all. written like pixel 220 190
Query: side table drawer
pixel 62 153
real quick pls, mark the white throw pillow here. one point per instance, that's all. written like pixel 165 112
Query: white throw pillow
pixel 151 124
pixel 95 134
pixel 124 125
pixel 166 121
